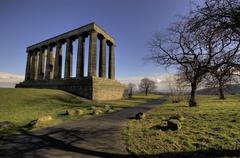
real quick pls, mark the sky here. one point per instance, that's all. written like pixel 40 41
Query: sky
pixel 132 23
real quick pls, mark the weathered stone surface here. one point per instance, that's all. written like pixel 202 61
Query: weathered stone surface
pixel 174 124
pixel 140 116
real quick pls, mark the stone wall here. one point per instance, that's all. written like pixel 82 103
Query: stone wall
pixel 93 88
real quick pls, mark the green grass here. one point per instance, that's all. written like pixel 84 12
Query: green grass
pixel 214 124
pixel 21 106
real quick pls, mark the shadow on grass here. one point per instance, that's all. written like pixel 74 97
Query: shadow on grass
pixel 62 140
pixel 159 127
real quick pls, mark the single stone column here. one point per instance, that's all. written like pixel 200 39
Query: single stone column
pixel 80 56
pixel 44 64
pixel 92 59
pixel 49 64
pixel 28 66
pixel 40 65
pixel 111 65
pixel 58 62
pixel 68 59
pixel 102 58
pixel 33 66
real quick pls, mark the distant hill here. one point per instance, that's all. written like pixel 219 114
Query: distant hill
pixel 229 89
pixel 8 80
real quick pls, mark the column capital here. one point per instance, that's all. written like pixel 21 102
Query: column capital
pixel 29 51
pixel 92 31
pixel 42 49
pixel 110 44
pixel 69 39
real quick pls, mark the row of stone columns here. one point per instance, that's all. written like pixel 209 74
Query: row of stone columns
pixel 36 59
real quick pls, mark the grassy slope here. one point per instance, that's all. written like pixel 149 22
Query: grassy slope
pixel 24 105
pixel 214 124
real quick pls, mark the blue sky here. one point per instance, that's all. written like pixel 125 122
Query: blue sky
pixel 130 22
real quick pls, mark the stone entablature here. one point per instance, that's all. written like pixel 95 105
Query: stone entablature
pixel 43 70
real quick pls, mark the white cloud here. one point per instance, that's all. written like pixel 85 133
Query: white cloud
pixel 8 80
pixel 161 80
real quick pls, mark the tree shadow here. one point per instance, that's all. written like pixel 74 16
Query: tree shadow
pixel 159 127
pixel 63 140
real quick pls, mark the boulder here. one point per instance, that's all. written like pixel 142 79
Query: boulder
pixel 173 124
pixel 140 116
pixel 6 125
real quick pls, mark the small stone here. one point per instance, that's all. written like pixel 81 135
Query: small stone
pixel 140 116
pixel 163 118
pixel 178 117
pixel 78 112
pixel 110 110
pixel 174 124
pixel 32 124
pixel 6 125
pixel 93 107
pixel 107 107
pixel 44 118
pixel 97 112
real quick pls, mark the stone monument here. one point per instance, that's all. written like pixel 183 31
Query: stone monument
pixel 44 65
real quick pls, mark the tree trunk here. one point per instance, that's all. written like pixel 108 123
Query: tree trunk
pixel 146 92
pixel 221 94
pixel 192 100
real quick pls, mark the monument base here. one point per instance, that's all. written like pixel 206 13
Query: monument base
pixel 93 88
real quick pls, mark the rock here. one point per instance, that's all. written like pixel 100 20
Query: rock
pixel 32 124
pixel 178 117
pixel 110 110
pixel 97 111
pixel 163 118
pixel 174 124
pixel 78 112
pixel 6 125
pixel 92 108
pixel 107 107
pixel 140 115
pixel 44 118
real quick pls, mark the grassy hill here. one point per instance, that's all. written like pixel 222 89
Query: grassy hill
pixel 21 106
pixel 209 130
pixel 229 89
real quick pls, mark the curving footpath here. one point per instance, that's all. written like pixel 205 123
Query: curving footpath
pixel 88 138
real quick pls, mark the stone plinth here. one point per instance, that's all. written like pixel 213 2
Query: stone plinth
pixel 93 88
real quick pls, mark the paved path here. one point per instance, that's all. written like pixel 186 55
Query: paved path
pixel 88 138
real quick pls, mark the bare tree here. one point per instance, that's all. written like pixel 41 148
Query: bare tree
pixel 220 77
pixel 225 14
pixel 193 52
pixel 147 85
pixel 131 88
